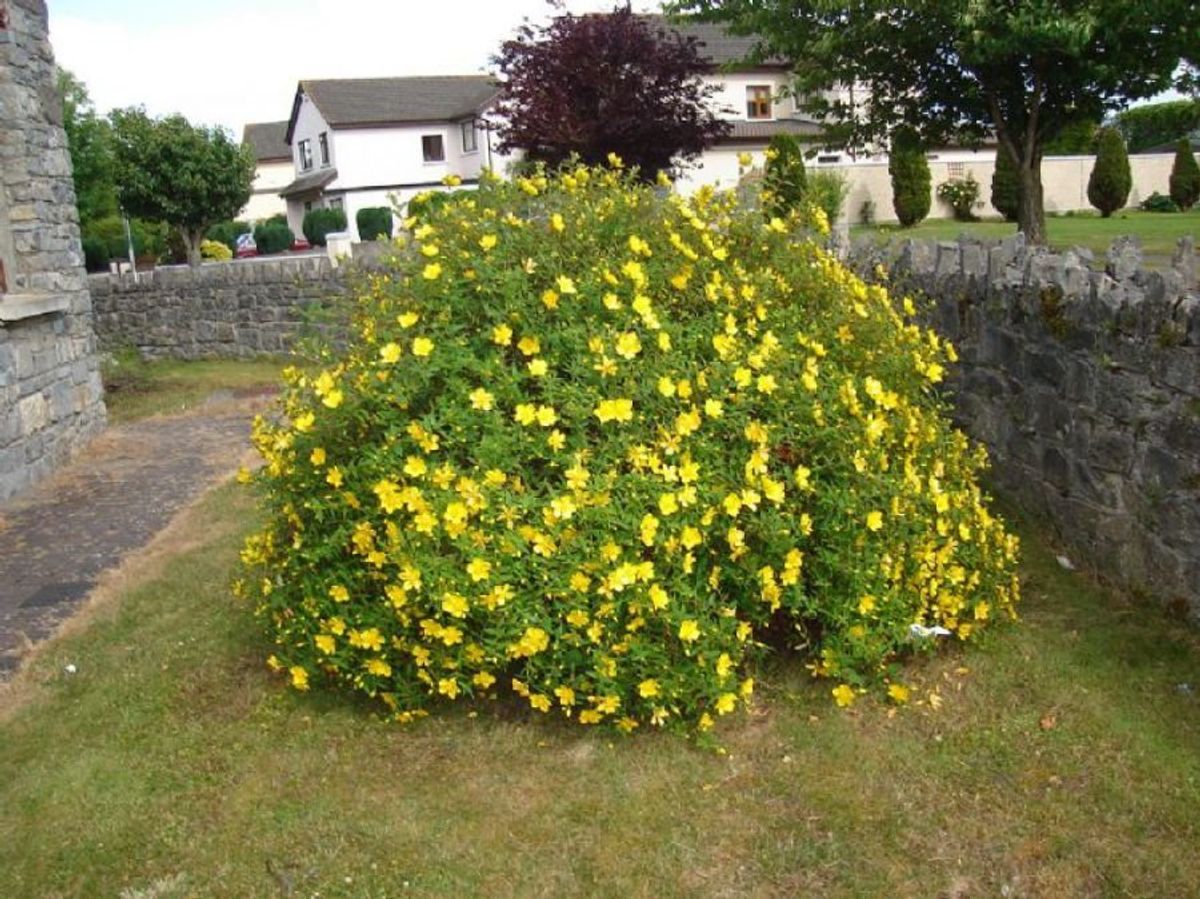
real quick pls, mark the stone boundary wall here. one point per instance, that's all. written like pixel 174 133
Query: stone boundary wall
pixel 1083 381
pixel 237 309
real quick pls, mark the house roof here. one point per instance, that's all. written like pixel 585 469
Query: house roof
pixel 309 182
pixel 268 140
pixel 718 46
pixel 765 130
pixel 359 102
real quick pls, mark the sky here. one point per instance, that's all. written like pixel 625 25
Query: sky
pixel 229 62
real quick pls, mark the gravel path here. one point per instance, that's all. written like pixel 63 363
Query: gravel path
pixel 57 537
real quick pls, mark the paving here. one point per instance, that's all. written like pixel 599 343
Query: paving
pixel 59 536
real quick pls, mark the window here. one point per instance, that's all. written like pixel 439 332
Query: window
pixel 323 141
pixel 334 203
pixel 830 158
pixel 956 170
pixel 758 102
pixel 305 155
pixel 470 141
pixel 432 148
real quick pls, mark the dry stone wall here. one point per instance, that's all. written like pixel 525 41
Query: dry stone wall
pixel 1082 377
pixel 51 399
pixel 235 309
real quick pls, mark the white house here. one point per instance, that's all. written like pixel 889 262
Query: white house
pixel 366 142
pixel 273 169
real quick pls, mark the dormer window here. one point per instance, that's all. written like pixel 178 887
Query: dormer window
pixel 758 102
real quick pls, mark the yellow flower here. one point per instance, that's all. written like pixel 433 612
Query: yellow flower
pixel 422 346
pixel 538 368
pixel 668 504
pixel 525 413
pixel 479 569
pixel 452 180
pixel 745 160
pixel 529 346
pixel 628 345
pixel 658 597
pixel 317 456
pixel 713 408
pixel 483 680
pixel 338 593
pixel 802 476
pixel 565 695
pixel 390 353
pixel 326 643
pixel 557 440
pixel 866 605
pixel 430 250
pixel 333 398
pixel 557 223
pixel 455 604
pixel 415 467
pixel 546 416
pixel 481 400
pixel 615 410
pixel 898 693
pixel 550 298
pixel 379 667
pixel 689 631
pixel 874 521
pixel 726 703
pixel 666 386
pixel 408 319
pixel 432 271
pixel 648 688
pixel 304 422
pixel 334 477
pixel 690 538
pixel 766 384
pixel 448 686
pixel 487 242
pixel 502 335
pixel 843 695
pixel 299 677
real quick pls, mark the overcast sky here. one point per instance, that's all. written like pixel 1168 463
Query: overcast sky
pixel 230 62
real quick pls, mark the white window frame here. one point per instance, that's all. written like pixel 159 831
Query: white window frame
pixel 304 148
pixel 323 145
pixel 441 142
pixel 466 129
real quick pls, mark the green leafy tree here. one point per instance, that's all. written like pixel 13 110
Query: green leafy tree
pixel 1004 186
pixel 912 184
pixel 1185 176
pixel 188 176
pixel 1021 70
pixel 1111 181
pixel 1158 124
pixel 89 140
pixel 785 180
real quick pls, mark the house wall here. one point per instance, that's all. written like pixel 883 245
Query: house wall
pixel 269 179
pixel 51 399
pixel 309 125
pixel 729 100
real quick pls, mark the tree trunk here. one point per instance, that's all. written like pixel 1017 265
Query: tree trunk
pixel 1031 210
pixel 191 240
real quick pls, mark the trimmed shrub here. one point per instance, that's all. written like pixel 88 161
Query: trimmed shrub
pixel 1157 202
pixel 827 190
pixel 595 447
pixel 318 223
pixel 785 182
pixel 215 250
pixel 1006 188
pixel 228 233
pixel 373 222
pixel 962 194
pixel 272 237
pixel 912 183
pixel 1111 180
pixel 1185 176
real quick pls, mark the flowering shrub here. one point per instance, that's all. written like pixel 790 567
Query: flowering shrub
pixel 963 196
pixel 214 249
pixel 598 447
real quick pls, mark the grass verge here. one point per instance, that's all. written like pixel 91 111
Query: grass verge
pixel 1064 760
pixel 1158 232
pixel 136 388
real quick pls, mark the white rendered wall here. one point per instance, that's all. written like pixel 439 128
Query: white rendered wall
pixel 269 179
pixel 309 125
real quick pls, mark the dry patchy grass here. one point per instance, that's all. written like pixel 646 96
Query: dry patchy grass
pixel 1063 761
pixel 136 388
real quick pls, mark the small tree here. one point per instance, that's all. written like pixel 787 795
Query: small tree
pixel 89 140
pixel 785 181
pixel 1185 177
pixel 911 181
pixel 591 85
pixel 1005 186
pixel 188 176
pixel 1110 182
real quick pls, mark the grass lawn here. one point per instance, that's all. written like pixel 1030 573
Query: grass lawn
pixel 135 388
pixel 1158 232
pixel 1064 761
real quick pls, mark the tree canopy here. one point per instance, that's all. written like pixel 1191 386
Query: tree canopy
pixel 1158 124
pixel 188 176
pixel 89 141
pixel 591 85
pixel 966 70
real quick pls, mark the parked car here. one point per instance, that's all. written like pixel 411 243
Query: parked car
pixel 246 246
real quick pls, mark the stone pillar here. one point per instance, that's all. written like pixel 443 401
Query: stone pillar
pixel 51 398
